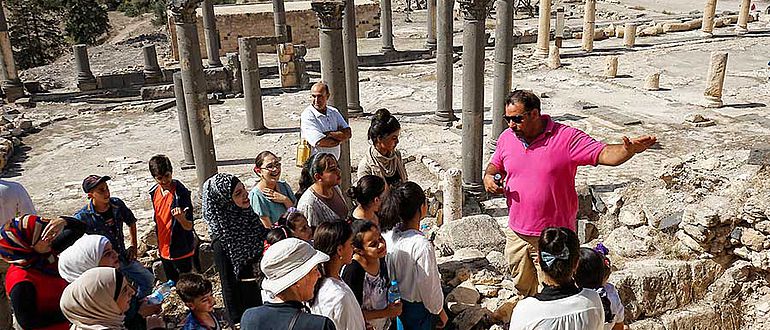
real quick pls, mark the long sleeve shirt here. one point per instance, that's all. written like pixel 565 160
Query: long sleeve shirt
pixel 411 261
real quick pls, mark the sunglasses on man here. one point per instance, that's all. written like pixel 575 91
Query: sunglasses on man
pixel 516 119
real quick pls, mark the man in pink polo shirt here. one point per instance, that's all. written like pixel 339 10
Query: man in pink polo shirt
pixel 538 159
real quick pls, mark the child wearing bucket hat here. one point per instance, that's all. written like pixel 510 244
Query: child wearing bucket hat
pixel 291 272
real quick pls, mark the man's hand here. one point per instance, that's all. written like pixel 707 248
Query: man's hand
pixel 639 144
pixel 491 186
pixel 131 253
pixel 146 309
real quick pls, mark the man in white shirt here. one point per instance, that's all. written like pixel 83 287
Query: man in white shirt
pixel 14 201
pixel 323 127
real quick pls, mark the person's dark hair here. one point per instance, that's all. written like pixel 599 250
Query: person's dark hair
pixel 361 227
pixel 277 234
pixel 260 159
pixel 314 165
pixel 191 286
pixel 367 189
pixel 562 245
pixel 591 269
pixel 409 197
pixel 328 236
pixel 383 124
pixel 388 213
pixel 290 220
pixel 527 98
pixel 160 165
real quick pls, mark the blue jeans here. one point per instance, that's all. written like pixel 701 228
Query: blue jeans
pixel 142 278
pixel 414 316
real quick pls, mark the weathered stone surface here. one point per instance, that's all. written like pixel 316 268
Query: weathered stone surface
pixel 157 92
pixel 480 232
pixel 487 291
pixel 462 297
pixel 753 239
pixel 468 318
pixel 501 308
pixel 497 261
pixel 632 216
pixel 623 242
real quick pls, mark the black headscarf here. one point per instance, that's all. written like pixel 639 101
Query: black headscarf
pixel 239 230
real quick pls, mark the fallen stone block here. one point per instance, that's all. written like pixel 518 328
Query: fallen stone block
pixel 479 232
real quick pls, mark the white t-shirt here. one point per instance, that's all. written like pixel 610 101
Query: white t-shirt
pixel 582 311
pixel 14 201
pixel 616 306
pixel 315 124
pixel 411 261
pixel 336 301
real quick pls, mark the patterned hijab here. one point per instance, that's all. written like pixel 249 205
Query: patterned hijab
pixel 239 230
pixel 17 241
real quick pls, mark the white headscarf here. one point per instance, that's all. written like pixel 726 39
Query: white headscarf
pixel 89 302
pixel 83 255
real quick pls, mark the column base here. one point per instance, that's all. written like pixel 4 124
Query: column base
pixel 474 191
pixel 705 34
pixel 13 92
pixel 255 132
pixel 444 118
pixel 713 102
pixel 741 30
pixel 558 42
pixel 152 77
pixel 212 64
pixel 540 53
pixel 430 45
pixel 183 164
pixel 355 110
pixel 88 85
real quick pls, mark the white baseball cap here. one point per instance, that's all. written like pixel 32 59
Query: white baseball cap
pixel 286 262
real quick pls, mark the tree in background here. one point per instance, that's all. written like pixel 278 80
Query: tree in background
pixel 34 30
pixel 86 21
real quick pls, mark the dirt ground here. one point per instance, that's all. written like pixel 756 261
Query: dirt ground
pixel 53 162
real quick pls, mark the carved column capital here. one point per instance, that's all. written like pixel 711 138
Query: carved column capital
pixel 329 12
pixel 475 9
pixel 184 10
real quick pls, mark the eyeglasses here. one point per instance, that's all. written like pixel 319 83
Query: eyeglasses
pixel 272 166
pixel 516 119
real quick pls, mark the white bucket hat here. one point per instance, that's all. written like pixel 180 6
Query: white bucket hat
pixel 288 261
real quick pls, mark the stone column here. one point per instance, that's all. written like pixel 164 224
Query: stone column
pixel 196 102
pixel 543 29
pixel 430 43
pixel 184 126
pixel 708 18
pixel 743 18
pixel 211 34
pixel 152 73
pixel 589 25
pixel 86 79
pixel 554 57
pixel 279 17
pixel 234 64
pixel 629 35
pixel 652 83
pixel 716 79
pixel 558 35
pixel 330 13
pixel 444 63
pixel 350 49
pixel 11 84
pixel 252 91
pixel 453 195
pixel 474 14
pixel 503 65
pixel 386 25
pixel 612 67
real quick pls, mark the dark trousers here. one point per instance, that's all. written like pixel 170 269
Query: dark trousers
pixel 238 295
pixel 173 268
pixel 414 316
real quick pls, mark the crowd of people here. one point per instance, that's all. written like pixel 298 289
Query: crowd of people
pixel 310 260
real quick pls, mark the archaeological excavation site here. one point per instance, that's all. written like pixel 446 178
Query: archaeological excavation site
pixel 213 83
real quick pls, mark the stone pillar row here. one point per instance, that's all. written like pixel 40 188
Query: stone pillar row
pixel 444 60
pixel 503 67
pixel 11 84
pixel 350 52
pixel 252 90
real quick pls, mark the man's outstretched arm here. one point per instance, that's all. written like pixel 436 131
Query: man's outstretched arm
pixel 616 154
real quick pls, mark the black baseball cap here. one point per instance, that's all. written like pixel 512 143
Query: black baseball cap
pixel 91 181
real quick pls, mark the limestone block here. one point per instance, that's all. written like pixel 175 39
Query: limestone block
pixel 699 214
pixel 157 92
pixel 611 70
pixel 486 277
pixel 462 297
pixel 650 288
pixel 753 239
pixel 480 232
pixel 468 318
pixel 651 31
pixel 487 291
pixel 652 83
pixel 695 24
pixel 497 261
pixel 501 308
pixel 632 216
pixel 689 242
pixel 697 316
pixel 676 27
pixel 623 242
pixel 554 59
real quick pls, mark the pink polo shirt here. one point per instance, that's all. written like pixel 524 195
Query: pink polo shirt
pixel 540 178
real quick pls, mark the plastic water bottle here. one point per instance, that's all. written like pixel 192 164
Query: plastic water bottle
pixel 160 293
pixel 499 180
pixel 393 293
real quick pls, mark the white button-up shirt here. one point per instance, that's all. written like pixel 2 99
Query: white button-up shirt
pixel 315 125
pixel 412 262
pixel 14 201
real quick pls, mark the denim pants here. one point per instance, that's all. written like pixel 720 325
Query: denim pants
pixel 142 278
pixel 414 316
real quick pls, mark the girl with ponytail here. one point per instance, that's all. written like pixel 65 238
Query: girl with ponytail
pixel 368 194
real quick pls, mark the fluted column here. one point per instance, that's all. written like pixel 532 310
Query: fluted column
pixel 474 14
pixel 543 29
pixel 503 66
pixel 194 84
pixel 330 14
